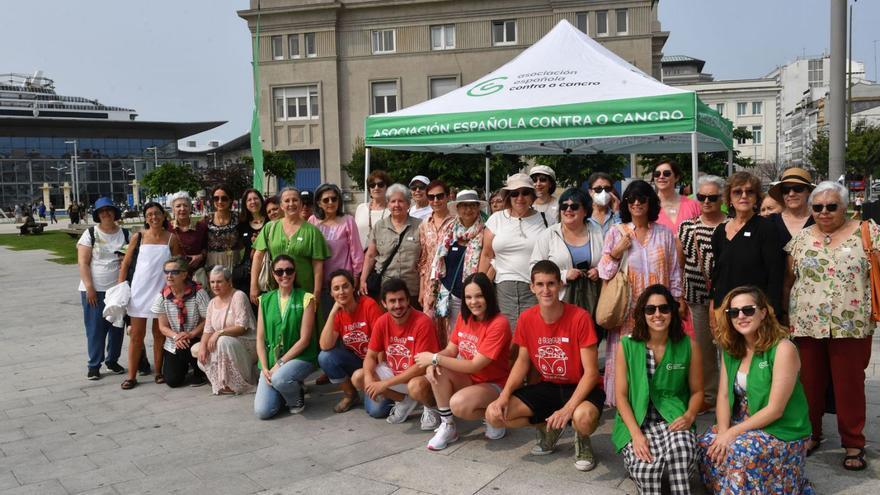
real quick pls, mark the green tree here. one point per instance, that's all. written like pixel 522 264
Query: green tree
pixel 709 163
pixel 817 155
pixel 169 178
pixel 235 178
pixel 573 170
pixel 277 163
pixel 862 151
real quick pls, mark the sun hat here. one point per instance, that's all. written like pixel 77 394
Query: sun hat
pixel 793 175
pixel 468 196
pixel 102 203
pixel 420 178
pixel 543 169
pixel 517 181
pixel 306 198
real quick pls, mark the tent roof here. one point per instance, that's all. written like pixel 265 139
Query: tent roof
pixel 566 93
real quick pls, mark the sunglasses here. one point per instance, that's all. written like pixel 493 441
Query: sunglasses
pixel 540 178
pixel 787 188
pixel 436 197
pixel 418 187
pixel 664 173
pixel 599 189
pixel 496 201
pixel 519 192
pixel 280 272
pixel 664 309
pixel 741 192
pixel 637 199
pixel 380 185
pixel 221 198
pixel 711 197
pixel 173 273
pixel 745 310
pixel 570 206
pixel 329 199
pixel 830 207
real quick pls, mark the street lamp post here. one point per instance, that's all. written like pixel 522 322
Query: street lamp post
pixel 215 158
pixel 134 166
pixel 155 150
pixel 73 167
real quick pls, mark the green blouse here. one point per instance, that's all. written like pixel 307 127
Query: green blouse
pixel 305 245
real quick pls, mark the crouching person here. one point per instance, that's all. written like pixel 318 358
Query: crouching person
pixel 390 365
pixel 559 340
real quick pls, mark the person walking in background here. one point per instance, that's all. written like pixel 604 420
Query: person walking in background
pixel 41 211
pixel 52 218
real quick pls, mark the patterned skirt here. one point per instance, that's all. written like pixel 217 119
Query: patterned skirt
pixel 232 365
pixel 757 462
pixel 674 453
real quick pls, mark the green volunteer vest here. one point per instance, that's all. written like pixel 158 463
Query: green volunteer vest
pixel 795 421
pixel 669 389
pixel 281 332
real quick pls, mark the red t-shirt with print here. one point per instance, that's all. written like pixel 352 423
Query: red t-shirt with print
pixel 489 338
pixel 355 328
pixel 555 348
pixel 401 343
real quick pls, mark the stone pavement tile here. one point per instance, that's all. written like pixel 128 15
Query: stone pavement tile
pixel 135 451
pixel 286 471
pixel 335 483
pixel 81 446
pixel 12 435
pixel 154 433
pixel 10 462
pixel 101 478
pixel 409 491
pixel 408 469
pixel 104 490
pixel 369 450
pixel 32 473
pixel 36 430
pixel 515 482
pixel 213 466
pixel 14 403
pixel 7 481
pixel 834 479
pixel 39 409
pixel 48 487
pixel 161 483
pixel 229 484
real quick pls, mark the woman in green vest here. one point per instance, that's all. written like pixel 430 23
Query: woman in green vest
pixel 287 345
pixel 661 396
pixel 760 442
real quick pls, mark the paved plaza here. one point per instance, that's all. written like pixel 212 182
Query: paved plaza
pixel 60 433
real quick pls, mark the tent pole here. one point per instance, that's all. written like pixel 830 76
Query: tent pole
pixel 632 166
pixel 366 174
pixel 488 191
pixel 694 162
pixel 729 163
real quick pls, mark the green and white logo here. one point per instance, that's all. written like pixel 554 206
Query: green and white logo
pixel 487 87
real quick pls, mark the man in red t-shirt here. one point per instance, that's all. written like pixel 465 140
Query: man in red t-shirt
pixel 390 365
pixel 559 340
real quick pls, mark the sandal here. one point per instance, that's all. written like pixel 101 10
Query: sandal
pixel 816 443
pixel 129 384
pixel 159 379
pixel 346 403
pixel 860 457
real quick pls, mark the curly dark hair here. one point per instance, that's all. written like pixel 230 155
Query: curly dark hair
pixel 641 332
pixel 639 188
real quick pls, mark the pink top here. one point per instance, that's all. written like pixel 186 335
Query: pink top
pixel 687 209
pixel 344 241
pixel 238 312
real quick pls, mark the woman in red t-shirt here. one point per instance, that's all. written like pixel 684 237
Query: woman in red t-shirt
pixel 346 335
pixel 470 373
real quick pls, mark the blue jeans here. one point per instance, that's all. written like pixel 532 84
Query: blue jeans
pixel 378 409
pixel 99 332
pixel 284 389
pixel 339 363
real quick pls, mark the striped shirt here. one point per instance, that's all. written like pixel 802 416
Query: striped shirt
pixel 196 311
pixel 696 242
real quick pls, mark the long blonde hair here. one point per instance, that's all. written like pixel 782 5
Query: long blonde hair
pixel 768 334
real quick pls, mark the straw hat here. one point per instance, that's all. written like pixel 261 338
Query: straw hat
pixel 468 196
pixel 518 181
pixel 794 175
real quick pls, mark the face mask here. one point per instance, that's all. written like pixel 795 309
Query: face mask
pixel 602 198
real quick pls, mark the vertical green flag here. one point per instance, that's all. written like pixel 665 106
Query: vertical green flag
pixel 256 145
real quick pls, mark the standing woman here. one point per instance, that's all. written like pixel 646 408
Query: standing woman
pixel 695 241
pixel 658 401
pixel 250 223
pixel 98 271
pixel 496 201
pixel 508 241
pixel 223 242
pixel 605 203
pixel 792 192
pixel 830 280
pixel 759 444
pixel 651 258
pixel 369 214
pixel 296 238
pixel 544 179
pixel 287 347
pixel 273 208
pixel 147 252
pixel 193 236
pixel 343 239
pixel 674 208
pixel 430 231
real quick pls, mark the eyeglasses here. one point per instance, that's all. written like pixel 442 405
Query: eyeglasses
pixel 787 188
pixel 637 199
pixel 570 206
pixel 745 310
pixel 173 273
pixel 280 272
pixel 418 187
pixel 664 309
pixel 380 185
pixel 711 197
pixel 329 199
pixel 830 207
pixel 664 173
pixel 221 198
pixel 436 197
pixel 599 189
pixel 742 192
pixel 540 178
pixel 519 192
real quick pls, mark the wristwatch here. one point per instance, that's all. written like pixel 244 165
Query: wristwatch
pixel 435 360
pixel 279 362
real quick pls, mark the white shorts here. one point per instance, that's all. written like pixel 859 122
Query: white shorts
pixel 385 373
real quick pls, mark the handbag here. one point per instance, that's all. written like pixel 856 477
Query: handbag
pixel 374 279
pixel 265 280
pixel 615 295
pixel 129 276
pixel 874 270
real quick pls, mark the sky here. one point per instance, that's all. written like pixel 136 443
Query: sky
pixel 189 60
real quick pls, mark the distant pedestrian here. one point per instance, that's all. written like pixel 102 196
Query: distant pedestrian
pixel 52 218
pixel 18 216
pixel 41 211
pixel 73 213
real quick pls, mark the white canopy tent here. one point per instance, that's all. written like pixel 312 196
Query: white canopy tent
pixel 564 94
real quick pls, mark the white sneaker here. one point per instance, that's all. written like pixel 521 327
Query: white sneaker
pixel 401 410
pixel 493 433
pixel 430 419
pixel 445 434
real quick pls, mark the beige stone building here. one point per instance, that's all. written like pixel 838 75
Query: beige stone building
pixel 325 65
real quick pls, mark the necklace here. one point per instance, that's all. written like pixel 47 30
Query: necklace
pixel 829 236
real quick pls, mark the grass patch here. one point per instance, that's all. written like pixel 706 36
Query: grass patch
pixel 58 243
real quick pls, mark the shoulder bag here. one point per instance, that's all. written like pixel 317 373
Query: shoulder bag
pixel 374 279
pixel 265 280
pixel 874 271
pixel 615 294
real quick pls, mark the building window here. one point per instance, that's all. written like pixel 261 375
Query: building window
pixel 443 37
pixel 602 23
pixel 293 45
pixel 581 22
pixel 622 27
pixel 719 107
pixel 277 48
pixel 504 32
pixel 757 107
pixel 741 140
pixel 815 72
pixel 442 85
pixel 383 41
pixel 296 102
pixel 311 45
pixel 741 108
pixel 384 97
pixel 757 134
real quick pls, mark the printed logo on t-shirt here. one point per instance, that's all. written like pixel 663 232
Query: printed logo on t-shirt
pixel 357 341
pixel 398 356
pixel 674 366
pixel 552 361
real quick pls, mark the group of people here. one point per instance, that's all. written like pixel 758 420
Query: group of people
pixel 422 300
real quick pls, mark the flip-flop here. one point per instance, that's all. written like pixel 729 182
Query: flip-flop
pixel 129 384
pixel 159 379
pixel 862 464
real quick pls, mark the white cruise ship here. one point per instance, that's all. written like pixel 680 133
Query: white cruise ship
pixel 31 96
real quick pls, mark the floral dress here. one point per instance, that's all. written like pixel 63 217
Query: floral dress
pixel 223 244
pixel 757 462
